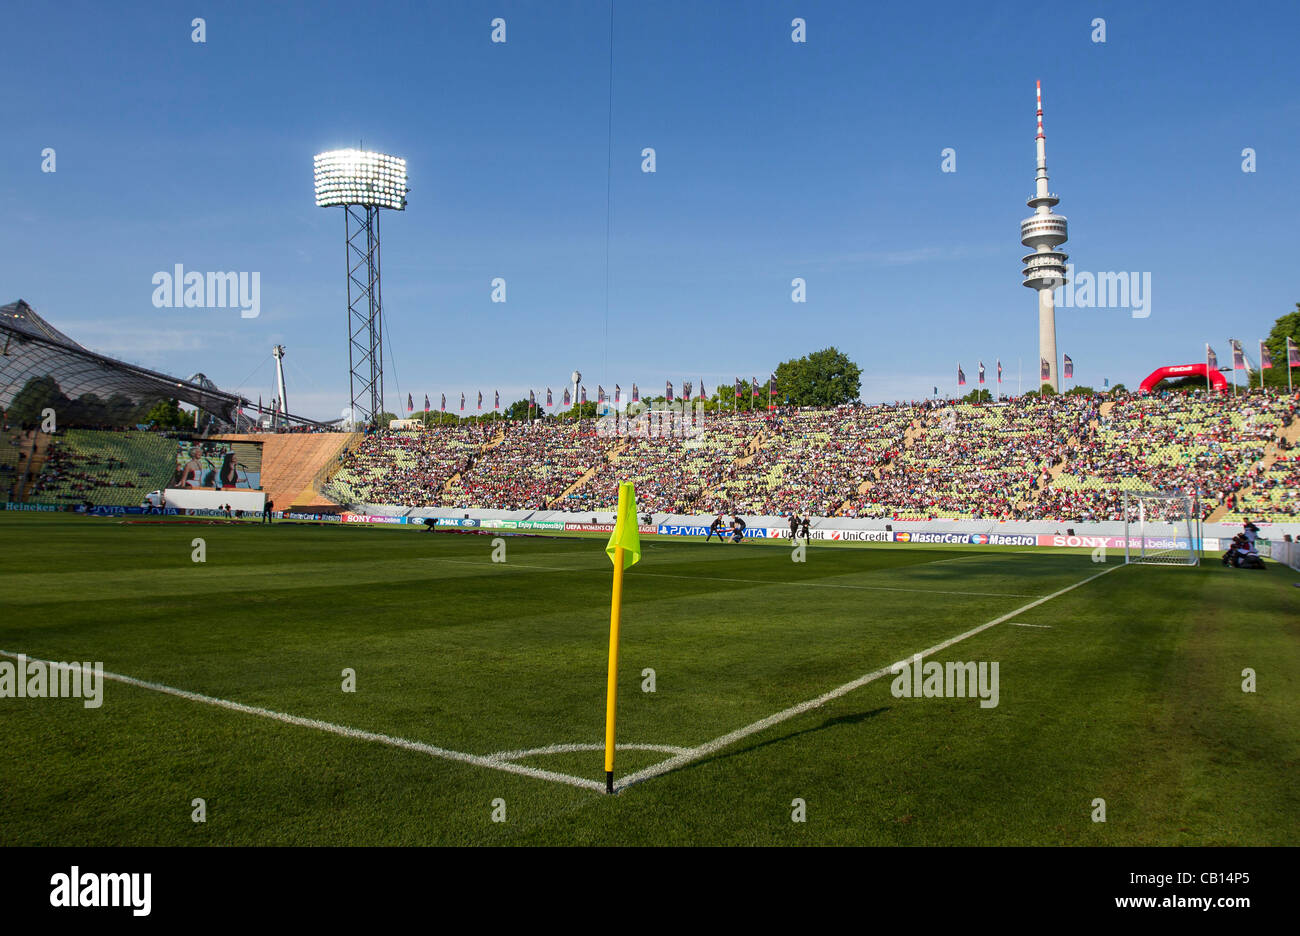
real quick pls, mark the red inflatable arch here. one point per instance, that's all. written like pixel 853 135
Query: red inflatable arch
pixel 1183 370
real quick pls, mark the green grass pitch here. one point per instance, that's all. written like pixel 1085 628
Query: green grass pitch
pixel 1129 689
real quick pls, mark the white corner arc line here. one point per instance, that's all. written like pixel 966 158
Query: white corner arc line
pixel 717 744
pixel 356 734
pixel 585 747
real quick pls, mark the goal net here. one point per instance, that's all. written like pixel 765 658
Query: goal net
pixel 1161 529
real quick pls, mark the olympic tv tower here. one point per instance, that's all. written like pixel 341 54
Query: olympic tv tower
pixel 1044 270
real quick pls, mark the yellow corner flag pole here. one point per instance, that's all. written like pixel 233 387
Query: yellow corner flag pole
pixel 623 549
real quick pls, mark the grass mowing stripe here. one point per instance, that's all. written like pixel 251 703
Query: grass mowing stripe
pixel 766 582
pixel 717 744
pixel 493 762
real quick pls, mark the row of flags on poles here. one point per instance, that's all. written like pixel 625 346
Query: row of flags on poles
pixel 1211 359
pixel 1265 356
pixel 961 374
pixel 688 392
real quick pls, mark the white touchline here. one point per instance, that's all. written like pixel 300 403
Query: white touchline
pixel 717 744
pixel 493 762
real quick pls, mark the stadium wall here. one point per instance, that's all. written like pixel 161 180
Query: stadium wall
pixel 991 528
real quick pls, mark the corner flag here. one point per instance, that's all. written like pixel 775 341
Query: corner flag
pixel 626 536
pixel 624 550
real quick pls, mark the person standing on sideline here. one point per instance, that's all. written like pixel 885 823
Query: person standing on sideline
pixel 267 507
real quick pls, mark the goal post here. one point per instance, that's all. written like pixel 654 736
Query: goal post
pixel 1161 528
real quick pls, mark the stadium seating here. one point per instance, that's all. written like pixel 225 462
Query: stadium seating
pixel 1062 459
pixel 104 468
pixel 15 450
pixel 410 468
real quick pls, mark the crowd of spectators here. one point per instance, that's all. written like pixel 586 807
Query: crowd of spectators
pixel 1063 458
pixel 531 466
pixel 979 461
pixel 407 467
pixel 1183 442
pixel 83 466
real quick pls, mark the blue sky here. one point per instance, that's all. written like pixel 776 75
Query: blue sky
pixel 775 160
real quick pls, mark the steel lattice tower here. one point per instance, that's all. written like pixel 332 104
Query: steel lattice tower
pixel 365 313
pixel 363 183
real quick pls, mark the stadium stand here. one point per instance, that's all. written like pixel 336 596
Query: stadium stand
pixel 410 468
pixel 1065 458
pixel 1206 443
pixel 15 454
pixel 1060 459
pixel 103 468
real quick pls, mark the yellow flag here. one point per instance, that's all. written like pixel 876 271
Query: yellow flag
pixel 626 532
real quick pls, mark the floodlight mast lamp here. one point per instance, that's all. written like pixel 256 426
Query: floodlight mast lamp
pixel 362 183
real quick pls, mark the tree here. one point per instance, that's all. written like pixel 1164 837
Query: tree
pixel 822 378
pixel 1287 326
pixel 519 410
pixel 978 395
pixel 35 396
pixel 1081 390
pixel 437 418
pixel 1181 385
pixel 582 410
pixel 1118 389
pixel 167 414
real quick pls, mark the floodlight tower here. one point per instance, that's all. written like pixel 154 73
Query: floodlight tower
pixel 1044 269
pixel 362 183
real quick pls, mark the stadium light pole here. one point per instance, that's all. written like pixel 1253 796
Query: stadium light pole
pixel 362 183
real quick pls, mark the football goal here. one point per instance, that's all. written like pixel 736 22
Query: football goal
pixel 1162 529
